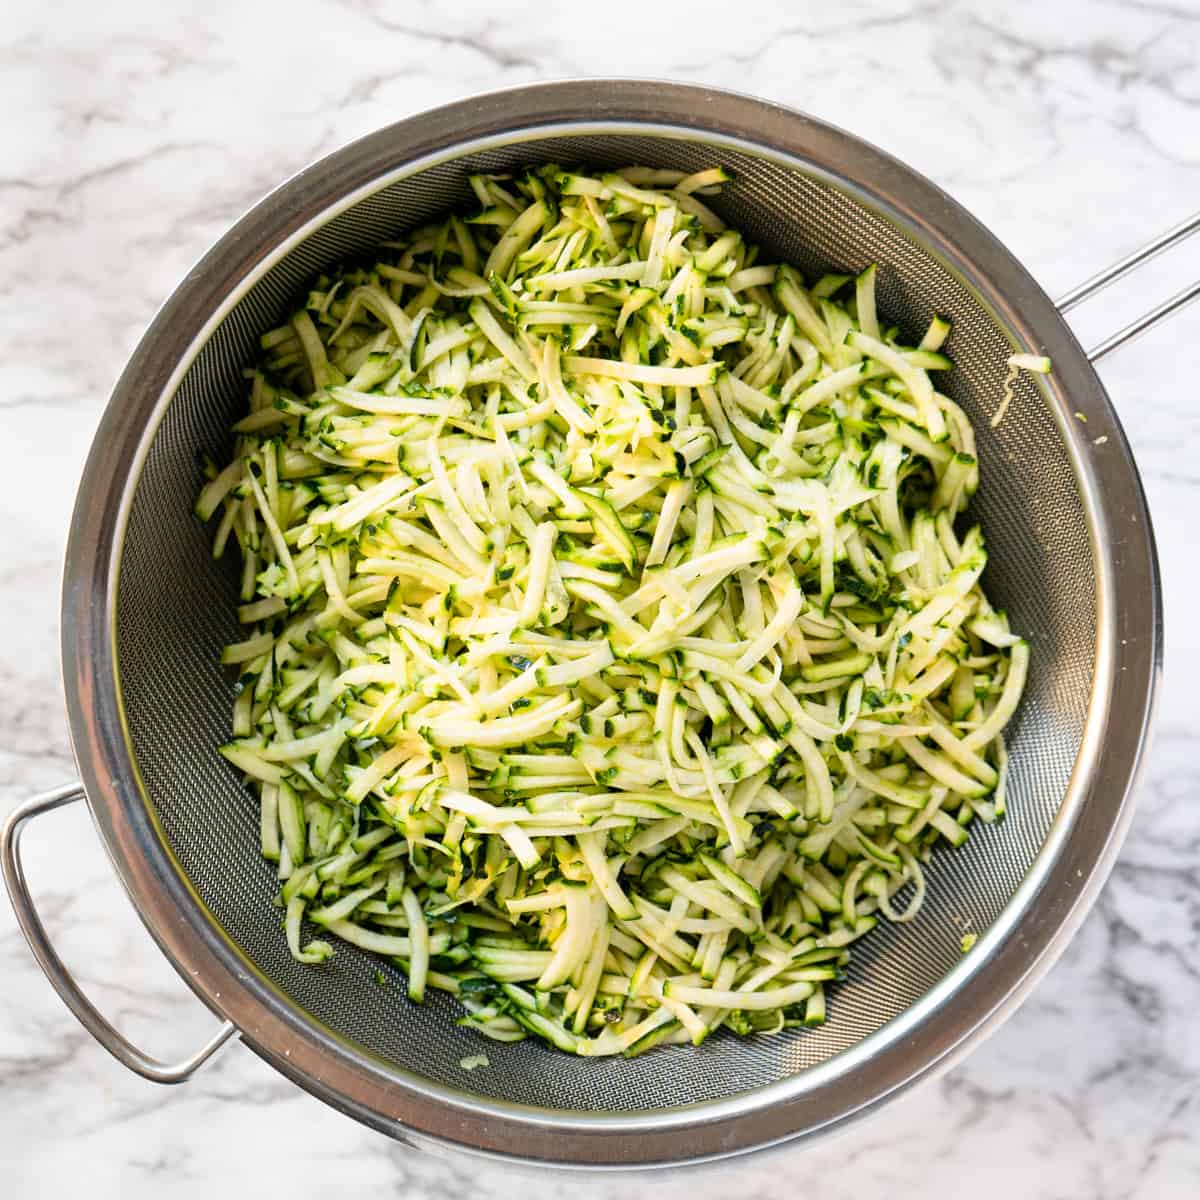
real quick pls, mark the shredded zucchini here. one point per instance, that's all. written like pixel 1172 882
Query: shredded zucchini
pixel 1038 364
pixel 612 659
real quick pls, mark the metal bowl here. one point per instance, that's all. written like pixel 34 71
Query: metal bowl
pixel 145 610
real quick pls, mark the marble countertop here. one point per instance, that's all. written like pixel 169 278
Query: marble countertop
pixel 136 133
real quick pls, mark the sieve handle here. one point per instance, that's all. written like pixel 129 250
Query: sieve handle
pixel 1118 270
pixel 56 970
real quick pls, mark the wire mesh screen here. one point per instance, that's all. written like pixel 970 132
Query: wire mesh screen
pixel 176 610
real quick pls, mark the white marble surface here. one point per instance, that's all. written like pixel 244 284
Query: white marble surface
pixel 134 133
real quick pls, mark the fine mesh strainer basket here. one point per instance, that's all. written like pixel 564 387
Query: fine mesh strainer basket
pixel 146 611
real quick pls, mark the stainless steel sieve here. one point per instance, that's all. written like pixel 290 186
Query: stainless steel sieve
pixel 145 611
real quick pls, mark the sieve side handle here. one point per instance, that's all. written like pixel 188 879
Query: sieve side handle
pixel 56 971
pixel 1118 270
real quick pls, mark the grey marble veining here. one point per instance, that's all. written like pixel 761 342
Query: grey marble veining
pixel 136 133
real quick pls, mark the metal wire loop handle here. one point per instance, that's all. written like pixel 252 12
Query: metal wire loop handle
pixel 1098 282
pixel 56 970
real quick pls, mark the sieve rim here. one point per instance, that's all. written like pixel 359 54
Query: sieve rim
pixel 956 1013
